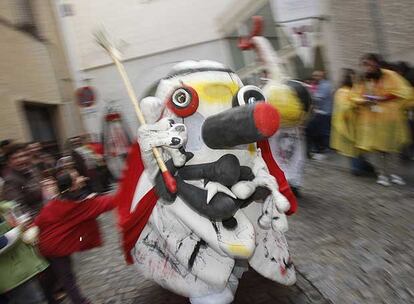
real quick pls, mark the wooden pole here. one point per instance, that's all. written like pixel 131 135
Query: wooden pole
pixel 169 180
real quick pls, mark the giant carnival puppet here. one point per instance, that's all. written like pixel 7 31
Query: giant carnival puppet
pixel 204 199
pixel 290 97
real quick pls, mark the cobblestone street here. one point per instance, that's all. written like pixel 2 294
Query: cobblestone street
pixel 351 242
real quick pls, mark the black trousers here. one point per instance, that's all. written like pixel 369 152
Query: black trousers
pixel 61 268
pixel 318 132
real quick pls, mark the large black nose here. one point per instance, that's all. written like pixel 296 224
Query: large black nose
pixel 240 125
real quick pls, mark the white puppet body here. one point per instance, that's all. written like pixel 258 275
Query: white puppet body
pixel 185 251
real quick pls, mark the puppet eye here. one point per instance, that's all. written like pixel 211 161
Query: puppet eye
pixel 181 98
pixel 248 95
pixel 183 101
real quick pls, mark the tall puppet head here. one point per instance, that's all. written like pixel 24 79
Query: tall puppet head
pixel 206 97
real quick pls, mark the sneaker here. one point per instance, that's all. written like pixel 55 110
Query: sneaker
pixel 319 156
pixel 383 180
pixel 395 179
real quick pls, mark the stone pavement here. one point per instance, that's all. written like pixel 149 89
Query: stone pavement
pixel 353 239
pixel 351 242
pixel 105 279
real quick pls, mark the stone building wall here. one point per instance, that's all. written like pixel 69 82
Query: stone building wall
pixel 355 28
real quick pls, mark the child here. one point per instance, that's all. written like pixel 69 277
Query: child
pixel 67 224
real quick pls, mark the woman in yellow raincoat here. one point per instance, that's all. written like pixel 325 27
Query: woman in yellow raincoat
pixel 343 126
pixel 381 126
pixel 343 118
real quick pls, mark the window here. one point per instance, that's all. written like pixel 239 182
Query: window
pixel 236 52
pixel 67 10
pixel 25 19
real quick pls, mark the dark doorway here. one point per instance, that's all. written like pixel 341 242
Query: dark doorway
pixel 41 120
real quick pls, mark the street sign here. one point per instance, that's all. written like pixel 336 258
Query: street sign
pixel 85 96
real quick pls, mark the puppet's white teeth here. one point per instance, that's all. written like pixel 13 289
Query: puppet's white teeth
pixel 212 189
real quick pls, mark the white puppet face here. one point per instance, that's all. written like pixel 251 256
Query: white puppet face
pixel 193 97
pixel 196 91
pixel 204 87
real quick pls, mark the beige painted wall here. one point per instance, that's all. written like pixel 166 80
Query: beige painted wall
pixel 33 70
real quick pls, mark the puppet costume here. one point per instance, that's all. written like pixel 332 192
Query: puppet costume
pixel 232 198
pixel 290 97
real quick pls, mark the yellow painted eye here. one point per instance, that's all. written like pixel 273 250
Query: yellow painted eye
pixel 217 92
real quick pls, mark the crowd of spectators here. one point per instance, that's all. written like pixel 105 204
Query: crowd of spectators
pixel 40 207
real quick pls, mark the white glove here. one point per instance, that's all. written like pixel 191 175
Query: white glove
pixel 244 189
pixel 152 108
pixel 165 134
pixel 264 179
pixel 271 217
pixel 276 204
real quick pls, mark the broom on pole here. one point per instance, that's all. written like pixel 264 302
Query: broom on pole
pixel 102 39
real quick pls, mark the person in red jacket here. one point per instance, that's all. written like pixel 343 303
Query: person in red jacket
pixel 67 224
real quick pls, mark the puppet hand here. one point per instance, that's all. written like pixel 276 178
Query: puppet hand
pixel 164 133
pixel 243 189
pixel 265 179
pixel 279 222
pixel 179 158
pixel 281 202
pixel 152 108
pixel 268 181
pixel 214 187
pixel 271 217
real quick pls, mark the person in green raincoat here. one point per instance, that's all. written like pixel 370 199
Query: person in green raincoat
pixel 19 262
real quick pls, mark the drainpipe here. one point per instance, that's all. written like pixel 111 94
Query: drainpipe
pixel 71 109
pixel 377 23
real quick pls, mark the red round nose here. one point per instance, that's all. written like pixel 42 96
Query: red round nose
pixel 240 125
pixel 266 119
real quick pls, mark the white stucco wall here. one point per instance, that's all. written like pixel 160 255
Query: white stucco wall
pixel 156 34
pixel 143 72
pixel 146 26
